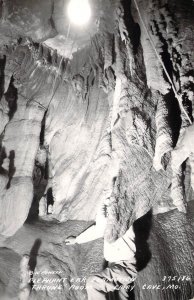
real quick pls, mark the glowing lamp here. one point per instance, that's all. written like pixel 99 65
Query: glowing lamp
pixel 79 12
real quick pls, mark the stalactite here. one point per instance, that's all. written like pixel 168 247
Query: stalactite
pixel 164 134
pixel 191 160
pixel 177 192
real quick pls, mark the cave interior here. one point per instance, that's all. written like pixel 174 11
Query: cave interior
pixel 91 112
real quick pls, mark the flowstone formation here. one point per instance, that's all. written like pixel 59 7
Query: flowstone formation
pixel 89 114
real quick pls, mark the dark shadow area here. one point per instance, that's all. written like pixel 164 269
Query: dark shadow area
pixel 116 296
pixel 42 132
pixel 11 97
pixel 47 54
pixel 2 75
pixel 174 115
pixel 164 51
pixel 166 58
pixel 2 157
pixel 50 199
pixel 142 228
pixel 185 8
pixel 33 258
pixel 187 103
pixel 40 177
pixel 11 171
pixel 1 9
pixel 12 168
pixel 40 181
pixel 132 27
pixel 51 18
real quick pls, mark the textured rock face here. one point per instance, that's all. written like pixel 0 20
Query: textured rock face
pixel 99 122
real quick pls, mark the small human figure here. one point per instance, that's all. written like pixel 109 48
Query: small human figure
pixel 43 206
pixel 50 209
pixel 120 255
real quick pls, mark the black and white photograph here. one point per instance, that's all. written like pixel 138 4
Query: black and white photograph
pixel 96 149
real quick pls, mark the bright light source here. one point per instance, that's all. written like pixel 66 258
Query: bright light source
pixel 79 11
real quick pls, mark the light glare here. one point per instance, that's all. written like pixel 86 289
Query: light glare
pixel 79 11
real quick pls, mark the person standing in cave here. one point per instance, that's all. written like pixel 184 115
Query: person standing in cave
pixel 120 255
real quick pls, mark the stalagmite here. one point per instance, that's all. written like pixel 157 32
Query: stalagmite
pixel 24 288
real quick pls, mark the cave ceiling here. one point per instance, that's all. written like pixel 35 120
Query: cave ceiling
pixel 47 22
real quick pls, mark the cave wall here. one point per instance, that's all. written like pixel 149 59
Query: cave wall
pixel 101 122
